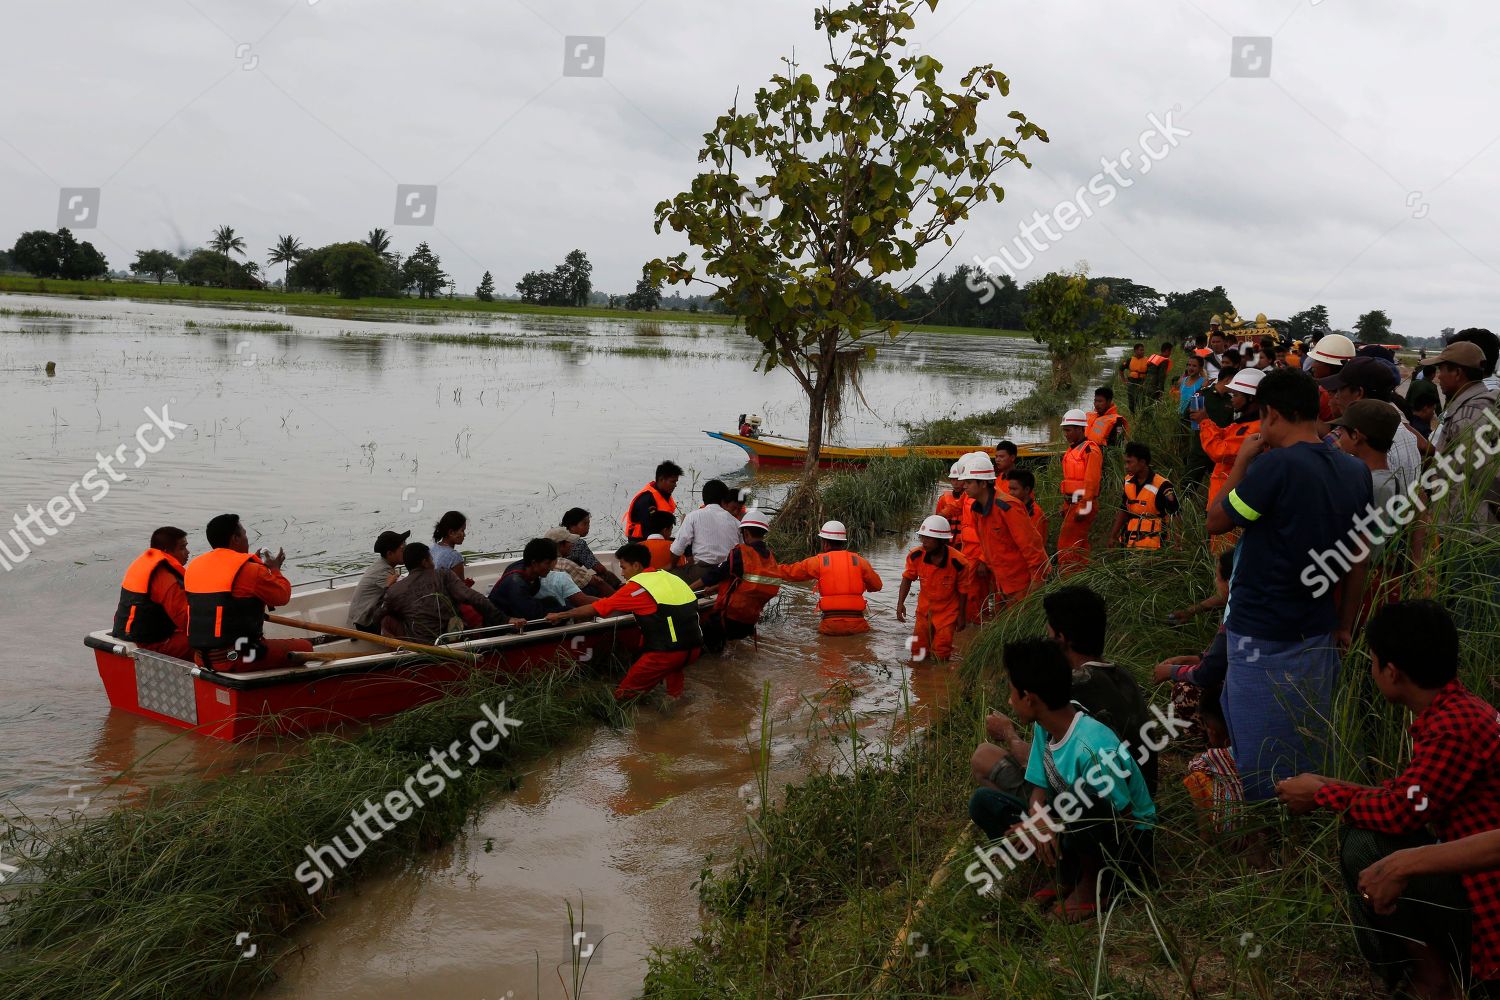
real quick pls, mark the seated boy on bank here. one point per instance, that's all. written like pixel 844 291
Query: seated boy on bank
pixel 1087 810
pixel 1078 621
pixel 1444 931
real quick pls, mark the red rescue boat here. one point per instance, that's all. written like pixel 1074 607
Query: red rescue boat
pixel 318 696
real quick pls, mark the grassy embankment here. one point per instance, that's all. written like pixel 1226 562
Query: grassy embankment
pixel 149 901
pixel 333 305
pixel 816 905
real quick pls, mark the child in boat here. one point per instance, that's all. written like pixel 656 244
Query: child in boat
pixel 659 541
pixel 940 568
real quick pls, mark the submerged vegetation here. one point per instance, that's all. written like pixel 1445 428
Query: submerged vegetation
pixel 240 327
pixel 151 900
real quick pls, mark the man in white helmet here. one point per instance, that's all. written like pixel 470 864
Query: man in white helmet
pixel 1325 360
pixel 1011 555
pixel 940 601
pixel 1222 444
pixel 745 585
pixel 843 579
pixel 1082 469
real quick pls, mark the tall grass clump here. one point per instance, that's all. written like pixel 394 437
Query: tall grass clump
pixel 855 884
pixel 149 900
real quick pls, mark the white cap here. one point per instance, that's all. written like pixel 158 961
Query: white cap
pixel 1247 381
pixel 755 519
pixel 1333 349
pixel 1075 418
pixel 978 465
pixel 936 526
pixel 834 531
pixel 957 471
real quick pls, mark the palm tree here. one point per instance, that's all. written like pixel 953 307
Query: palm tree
pixel 225 242
pixel 378 240
pixel 288 250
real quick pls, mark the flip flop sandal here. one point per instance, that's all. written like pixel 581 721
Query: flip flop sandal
pixel 1074 913
pixel 1044 896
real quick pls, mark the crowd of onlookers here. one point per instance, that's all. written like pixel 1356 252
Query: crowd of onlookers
pixel 1341 490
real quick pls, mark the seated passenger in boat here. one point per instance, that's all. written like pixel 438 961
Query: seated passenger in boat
pixel 425 603
pixel 660 541
pixel 587 580
pixel 578 522
pixel 153 608
pixel 228 592
pixel 390 552
pixel 519 592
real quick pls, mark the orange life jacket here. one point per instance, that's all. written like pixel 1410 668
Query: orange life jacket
pixel 1162 362
pixel 1136 371
pixel 742 598
pixel 1144 526
pixel 940 582
pixel 951 507
pixel 841 586
pixel 1075 464
pixel 138 618
pixel 968 528
pixel 661 553
pixel 1102 425
pixel 216 618
pixel 637 532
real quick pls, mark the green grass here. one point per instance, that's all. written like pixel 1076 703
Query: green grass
pixel 241 327
pixel 814 904
pixel 147 901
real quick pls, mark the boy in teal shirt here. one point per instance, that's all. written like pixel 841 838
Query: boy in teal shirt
pixel 1089 808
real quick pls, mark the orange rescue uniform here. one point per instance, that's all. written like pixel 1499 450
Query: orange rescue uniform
pixel 977 587
pixel 951 507
pixel 1009 546
pixel 153 602
pixel 1101 426
pixel 217 626
pixel 939 600
pixel 1222 446
pixel 636 531
pixel 661 553
pixel 1038 518
pixel 842 578
pixel 1082 467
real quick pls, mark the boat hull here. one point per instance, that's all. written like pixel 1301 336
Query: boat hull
pixel 793 454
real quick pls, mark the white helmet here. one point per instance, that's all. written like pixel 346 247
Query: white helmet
pixel 1247 381
pixel 755 519
pixel 936 526
pixel 1333 349
pixel 834 531
pixel 978 465
pixel 957 471
pixel 1075 418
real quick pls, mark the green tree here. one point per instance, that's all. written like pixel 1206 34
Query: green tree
pixel 424 271
pixel 287 251
pixel 83 260
pixel 39 253
pixel 486 290
pixel 379 240
pixel 852 180
pixel 1074 318
pixel 226 242
pixel 354 270
pixel 155 263
pixel 210 267
pixel 1186 314
pixel 647 294
pixel 1308 324
pixel 1374 327
pixel 575 279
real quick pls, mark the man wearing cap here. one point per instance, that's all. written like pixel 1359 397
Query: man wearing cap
pixel 1365 429
pixel 390 552
pixel 1459 373
pixel 1371 379
pixel 745 585
pixel 1011 552
pixel 1489 344
pixel 1082 467
pixel 843 579
pixel 940 604
pixel 1222 443
pixel 583 578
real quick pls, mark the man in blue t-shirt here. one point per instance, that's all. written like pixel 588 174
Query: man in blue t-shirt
pixel 1302 504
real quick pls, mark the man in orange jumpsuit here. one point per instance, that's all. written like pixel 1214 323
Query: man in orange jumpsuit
pixel 228 592
pixel 976 587
pixel 1082 467
pixel 1222 444
pixel 1022 484
pixel 940 609
pixel 153 608
pixel 842 578
pixel 950 502
pixel 1011 552
pixel 665 608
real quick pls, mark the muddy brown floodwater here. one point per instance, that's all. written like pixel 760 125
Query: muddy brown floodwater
pixel 323 433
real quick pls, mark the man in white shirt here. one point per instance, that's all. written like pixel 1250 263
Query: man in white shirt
pixel 710 532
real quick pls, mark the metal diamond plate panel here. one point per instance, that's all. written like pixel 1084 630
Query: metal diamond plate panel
pixel 165 685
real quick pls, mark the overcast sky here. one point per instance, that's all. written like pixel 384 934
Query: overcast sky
pixel 1355 174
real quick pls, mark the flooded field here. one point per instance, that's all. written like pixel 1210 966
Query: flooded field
pixel 321 431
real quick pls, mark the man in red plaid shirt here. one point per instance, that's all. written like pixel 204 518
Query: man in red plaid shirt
pixel 1444 931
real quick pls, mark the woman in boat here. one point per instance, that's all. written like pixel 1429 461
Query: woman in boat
pixel 447 536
